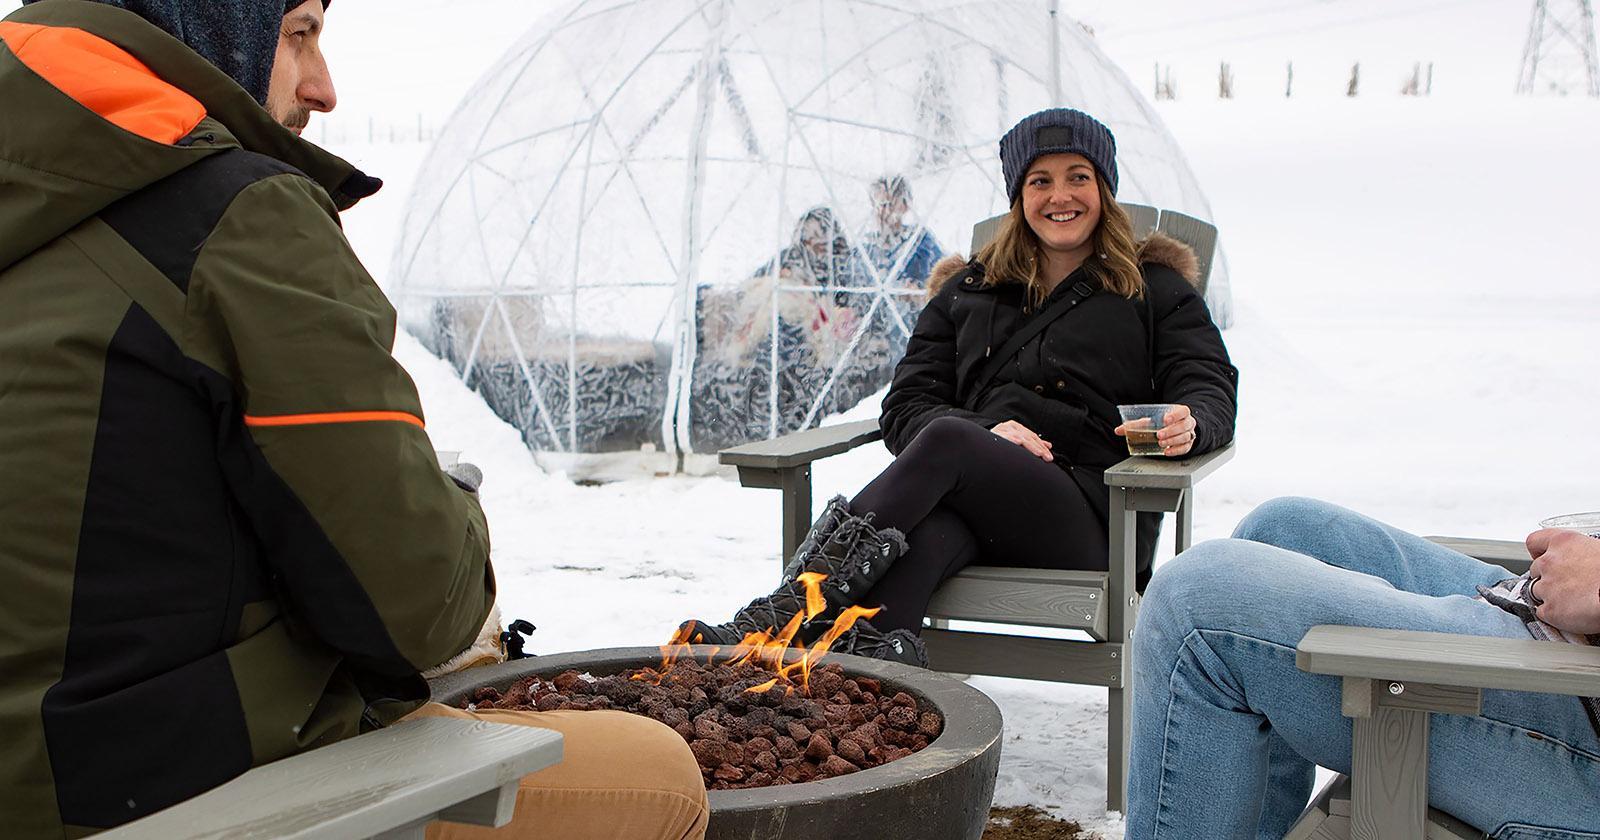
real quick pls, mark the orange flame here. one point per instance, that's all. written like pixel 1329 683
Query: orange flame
pixel 768 649
pixel 815 603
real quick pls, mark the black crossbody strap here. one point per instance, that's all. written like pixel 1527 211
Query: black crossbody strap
pixel 1075 295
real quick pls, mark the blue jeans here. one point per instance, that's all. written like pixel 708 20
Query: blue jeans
pixel 1227 731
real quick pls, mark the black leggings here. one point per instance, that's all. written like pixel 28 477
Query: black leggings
pixel 962 495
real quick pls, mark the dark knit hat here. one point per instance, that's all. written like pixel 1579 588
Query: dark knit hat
pixel 1055 131
pixel 239 37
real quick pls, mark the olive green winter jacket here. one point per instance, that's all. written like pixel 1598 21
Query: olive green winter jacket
pixel 224 538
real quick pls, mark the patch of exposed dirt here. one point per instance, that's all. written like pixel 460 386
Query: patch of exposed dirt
pixel 1030 823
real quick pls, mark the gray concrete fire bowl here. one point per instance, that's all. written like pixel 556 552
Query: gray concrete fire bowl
pixel 941 792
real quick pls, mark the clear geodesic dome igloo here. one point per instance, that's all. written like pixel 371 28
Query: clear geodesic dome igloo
pixel 678 225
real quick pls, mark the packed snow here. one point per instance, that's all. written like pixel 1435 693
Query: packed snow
pixel 1414 288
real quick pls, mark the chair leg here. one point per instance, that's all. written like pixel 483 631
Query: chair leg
pixel 1123 608
pixel 1185 529
pixel 1119 711
pixel 796 486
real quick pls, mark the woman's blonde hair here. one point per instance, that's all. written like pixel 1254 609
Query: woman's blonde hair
pixel 1015 255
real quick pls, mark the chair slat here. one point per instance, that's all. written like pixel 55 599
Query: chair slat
pixel 1068 601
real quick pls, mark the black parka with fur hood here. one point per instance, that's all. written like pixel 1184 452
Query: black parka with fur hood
pixel 1065 383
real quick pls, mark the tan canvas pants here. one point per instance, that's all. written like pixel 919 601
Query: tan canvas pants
pixel 621 777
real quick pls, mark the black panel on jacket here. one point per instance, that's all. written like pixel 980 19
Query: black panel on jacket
pixel 146 713
pixel 169 221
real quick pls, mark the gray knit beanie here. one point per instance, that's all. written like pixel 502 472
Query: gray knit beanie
pixel 1056 131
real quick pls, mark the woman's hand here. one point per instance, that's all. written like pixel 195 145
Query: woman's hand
pixel 1177 436
pixel 1566 579
pixel 1026 438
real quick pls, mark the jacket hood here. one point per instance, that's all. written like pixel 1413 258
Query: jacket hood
pixel 1157 248
pixel 239 38
pixel 112 104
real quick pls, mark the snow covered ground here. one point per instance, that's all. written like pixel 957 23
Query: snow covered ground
pixel 1416 300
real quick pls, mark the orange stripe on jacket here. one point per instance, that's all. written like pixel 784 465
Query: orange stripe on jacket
pixel 335 417
pixel 106 79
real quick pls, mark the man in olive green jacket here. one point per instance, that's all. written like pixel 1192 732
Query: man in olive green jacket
pixel 224 537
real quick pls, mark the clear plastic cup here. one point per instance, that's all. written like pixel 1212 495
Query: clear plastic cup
pixel 1588 523
pixel 1141 423
pixel 447 458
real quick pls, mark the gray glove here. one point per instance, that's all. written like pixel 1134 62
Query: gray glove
pixel 466 476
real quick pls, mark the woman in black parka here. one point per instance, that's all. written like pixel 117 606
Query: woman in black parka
pixel 1002 415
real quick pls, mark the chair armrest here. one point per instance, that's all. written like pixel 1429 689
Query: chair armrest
pixel 1161 473
pixel 397 777
pixel 798 448
pixel 1508 554
pixel 1448 659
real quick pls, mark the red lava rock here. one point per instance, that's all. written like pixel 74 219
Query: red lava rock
pixel 709 753
pixel 835 766
pixel 819 748
pixel 850 750
pixel 903 717
pixel 741 739
pixel 796 773
pixel 708 728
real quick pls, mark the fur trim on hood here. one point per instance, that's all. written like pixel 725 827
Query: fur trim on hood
pixel 1157 248
pixel 943 270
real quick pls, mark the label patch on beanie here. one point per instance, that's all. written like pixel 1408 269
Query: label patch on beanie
pixel 1053 136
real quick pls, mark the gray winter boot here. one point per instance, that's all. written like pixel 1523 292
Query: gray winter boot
pixel 862 639
pixel 854 556
pixel 821 531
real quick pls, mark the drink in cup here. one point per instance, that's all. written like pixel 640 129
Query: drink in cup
pixel 1586 523
pixel 1141 423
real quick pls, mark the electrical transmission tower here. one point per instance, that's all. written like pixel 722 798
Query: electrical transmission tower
pixel 1560 55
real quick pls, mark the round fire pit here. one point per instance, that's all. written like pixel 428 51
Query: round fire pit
pixel 940 791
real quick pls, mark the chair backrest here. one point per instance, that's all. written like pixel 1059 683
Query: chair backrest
pixel 1196 233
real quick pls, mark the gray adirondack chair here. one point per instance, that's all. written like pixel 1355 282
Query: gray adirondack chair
pixel 1392 680
pixel 1101 604
pixel 386 784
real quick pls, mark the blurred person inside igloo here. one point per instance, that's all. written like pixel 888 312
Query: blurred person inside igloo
pixel 903 254
pixel 822 290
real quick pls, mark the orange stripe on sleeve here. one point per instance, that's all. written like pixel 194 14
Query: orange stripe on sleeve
pixel 106 79
pixel 335 417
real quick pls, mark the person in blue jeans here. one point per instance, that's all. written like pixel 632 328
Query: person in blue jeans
pixel 1227 731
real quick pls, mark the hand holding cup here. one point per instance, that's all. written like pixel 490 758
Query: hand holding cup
pixel 1158 429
